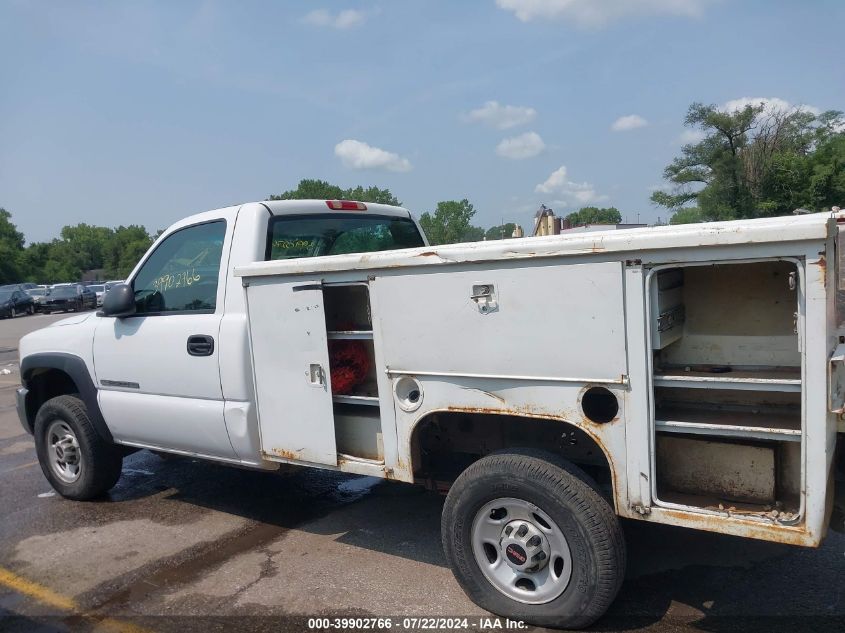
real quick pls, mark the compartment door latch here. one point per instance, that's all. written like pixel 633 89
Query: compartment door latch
pixel 484 296
pixel 316 375
pixel 836 381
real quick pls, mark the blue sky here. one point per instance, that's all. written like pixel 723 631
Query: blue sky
pixel 144 112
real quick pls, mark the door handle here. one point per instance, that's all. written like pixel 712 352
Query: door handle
pixel 200 345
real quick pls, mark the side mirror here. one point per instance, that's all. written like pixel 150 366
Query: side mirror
pixel 119 302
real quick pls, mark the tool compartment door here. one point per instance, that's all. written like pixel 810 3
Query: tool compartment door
pixel 290 355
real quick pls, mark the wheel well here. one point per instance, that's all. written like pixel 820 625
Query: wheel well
pixel 44 384
pixel 444 444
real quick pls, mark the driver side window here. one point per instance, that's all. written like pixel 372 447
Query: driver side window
pixel 182 273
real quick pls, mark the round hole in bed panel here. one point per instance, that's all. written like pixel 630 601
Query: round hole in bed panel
pixel 599 404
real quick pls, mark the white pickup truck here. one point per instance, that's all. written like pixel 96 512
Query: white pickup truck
pixel 685 375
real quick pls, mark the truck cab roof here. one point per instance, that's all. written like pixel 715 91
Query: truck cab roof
pixel 291 207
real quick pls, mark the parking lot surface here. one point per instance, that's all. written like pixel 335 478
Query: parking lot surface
pixel 187 545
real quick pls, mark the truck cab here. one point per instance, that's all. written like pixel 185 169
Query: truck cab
pixel 174 372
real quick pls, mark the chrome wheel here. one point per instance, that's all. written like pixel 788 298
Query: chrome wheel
pixel 521 551
pixel 63 451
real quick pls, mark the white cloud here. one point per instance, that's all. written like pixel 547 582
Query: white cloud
pixel 502 117
pixel 771 105
pixel 593 13
pixel 520 147
pixel 558 183
pixel 346 19
pixel 359 155
pixel 691 136
pixel 629 122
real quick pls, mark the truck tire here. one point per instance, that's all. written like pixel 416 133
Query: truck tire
pixel 528 536
pixel 77 462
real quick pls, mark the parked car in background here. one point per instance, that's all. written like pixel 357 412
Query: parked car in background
pixel 14 302
pixel 20 286
pixel 39 295
pixel 100 290
pixel 69 297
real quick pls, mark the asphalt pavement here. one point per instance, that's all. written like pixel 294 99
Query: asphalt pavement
pixel 186 545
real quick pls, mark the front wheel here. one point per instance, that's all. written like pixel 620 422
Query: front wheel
pixel 528 536
pixel 77 462
pixel 13 313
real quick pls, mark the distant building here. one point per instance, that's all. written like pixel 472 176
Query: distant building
pixel 600 227
pixel 518 232
pixel 545 222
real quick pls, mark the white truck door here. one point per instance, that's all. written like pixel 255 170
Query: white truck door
pixel 157 371
pixel 290 353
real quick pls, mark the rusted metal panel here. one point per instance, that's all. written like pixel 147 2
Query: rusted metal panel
pixel 735 472
pixel 735 525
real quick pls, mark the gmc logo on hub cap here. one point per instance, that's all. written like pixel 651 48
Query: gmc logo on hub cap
pixel 516 554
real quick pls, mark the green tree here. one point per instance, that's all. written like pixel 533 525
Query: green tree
pixel 11 249
pixel 58 271
pixel 371 194
pixel 86 244
pixel 710 171
pixel 595 215
pixel 450 222
pixel 34 259
pixel 124 250
pixel 472 234
pixel 687 215
pixel 758 161
pixel 311 189
pixel 500 231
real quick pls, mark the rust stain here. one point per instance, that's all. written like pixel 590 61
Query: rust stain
pixel 530 411
pixel 428 254
pixel 287 454
pixel 787 534
pixel 822 264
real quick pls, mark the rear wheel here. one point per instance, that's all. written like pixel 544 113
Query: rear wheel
pixel 30 310
pixel 528 536
pixel 77 462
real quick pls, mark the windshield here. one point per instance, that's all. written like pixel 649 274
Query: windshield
pixel 96 288
pixel 328 234
pixel 64 292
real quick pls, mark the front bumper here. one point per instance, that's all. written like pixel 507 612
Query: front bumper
pixel 20 402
